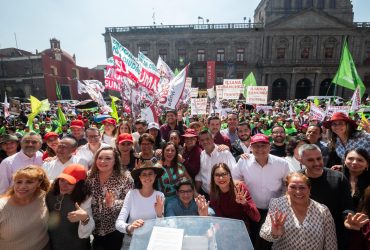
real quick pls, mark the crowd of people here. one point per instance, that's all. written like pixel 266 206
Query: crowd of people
pixel 296 183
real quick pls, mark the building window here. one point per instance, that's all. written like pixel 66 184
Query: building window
pixel 309 3
pixel 320 4
pixel 220 77
pixel 53 71
pixel 367 52
pixel 181 53
pixel 305 54
pixel 201 54
pixel 299 4
pixel 220 55
pixel 144 51
pixel 280 53
pixel 75 74
pixel 332 4
pixel 201 79
pixel 287 4
pixel 329 52
pixel 240 55
pixel 163 54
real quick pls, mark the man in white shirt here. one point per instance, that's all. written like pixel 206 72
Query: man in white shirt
pixel 64 157
pixel 93 144
pixel 209 157
pixel 264 174
pixel 29 155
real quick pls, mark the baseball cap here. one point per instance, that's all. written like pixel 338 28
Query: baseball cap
pixel 125 137
pixel 190 133
pixel 77 124
pixel 110 121
pixel 153 125
pixel 74 173
pixel 260 138
pixel 50 134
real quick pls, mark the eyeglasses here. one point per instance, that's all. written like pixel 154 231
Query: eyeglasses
pixel 223 175
pixel 190 191
pixel 58 205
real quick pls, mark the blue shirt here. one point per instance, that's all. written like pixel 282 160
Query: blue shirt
pixel 176 208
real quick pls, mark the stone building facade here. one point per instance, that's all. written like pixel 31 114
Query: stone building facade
pixel 23 73
pixel 293 46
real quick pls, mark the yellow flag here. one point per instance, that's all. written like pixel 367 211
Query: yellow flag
pixel 114 112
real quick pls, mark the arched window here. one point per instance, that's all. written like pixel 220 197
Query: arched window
pixel 306 47
pixel 281 48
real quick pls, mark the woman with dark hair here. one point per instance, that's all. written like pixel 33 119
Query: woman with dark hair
pixel 153 130
pixel 23 213
pixel 292 154
pixel 175 138
pixel 230 200
pixel 109 185
pixel 108 136
pixel 124 144
pixel 295 216
pixel 356 169
pixel 69 205
pixel 142 203
pixel 52 142
pixel 343 135
pixel 173 171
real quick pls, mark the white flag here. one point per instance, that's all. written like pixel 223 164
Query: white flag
pixel 172 91
pixel 6 106
pixel 356 100
pixel 81 88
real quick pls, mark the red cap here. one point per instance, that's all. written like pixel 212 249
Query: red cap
pixel 77 124
pixel 50 134
pixel 190 133
pixel 110 121
pixel 74 173
pixel 260 138
pixel 125 137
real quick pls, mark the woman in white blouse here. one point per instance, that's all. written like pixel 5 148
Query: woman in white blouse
pixel 143 202
pixel 296 221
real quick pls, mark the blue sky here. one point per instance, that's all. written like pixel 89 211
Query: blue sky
pixel 79 24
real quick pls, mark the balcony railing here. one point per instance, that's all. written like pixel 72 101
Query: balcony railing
pixel 222 26
pixel 362 24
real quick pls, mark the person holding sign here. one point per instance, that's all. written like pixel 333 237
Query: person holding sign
pixel 141 203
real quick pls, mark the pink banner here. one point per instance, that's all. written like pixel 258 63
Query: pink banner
pixel 211 74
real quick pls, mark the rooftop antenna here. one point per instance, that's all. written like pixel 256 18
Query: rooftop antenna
pixel 15 38
pixel 153 17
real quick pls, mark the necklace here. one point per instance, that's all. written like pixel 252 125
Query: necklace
pixel 58 204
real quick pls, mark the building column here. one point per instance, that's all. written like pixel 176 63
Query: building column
pixel 316 89
pixel 291 89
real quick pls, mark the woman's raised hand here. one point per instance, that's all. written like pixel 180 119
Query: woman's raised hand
pixel 277 223
pixel 240 194
pixel 159 205
pixel 78 215
pixel 356 221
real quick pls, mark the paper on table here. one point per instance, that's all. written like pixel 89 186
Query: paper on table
pixel 164 238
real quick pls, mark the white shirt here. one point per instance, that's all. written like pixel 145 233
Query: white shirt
pixel 14 162
pixel 208 161
pixel 110 140
pixel 264 182
pixel 294 164
pixel 85 153
pixel 136 206
pixel 55 167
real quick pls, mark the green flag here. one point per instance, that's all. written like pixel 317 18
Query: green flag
pixel 61 117
pixel 58 92
pixel 347 75
pixel 249 81
pixel 176 72
pixel 316 101
pixel 114 112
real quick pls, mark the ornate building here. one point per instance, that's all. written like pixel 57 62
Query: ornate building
pixel 293 46
pixel 23 73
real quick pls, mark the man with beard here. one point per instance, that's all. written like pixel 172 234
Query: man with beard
pixel 173 122
pixel 242 145
pixel 278 146
pixel 214 126
pixel 29 155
